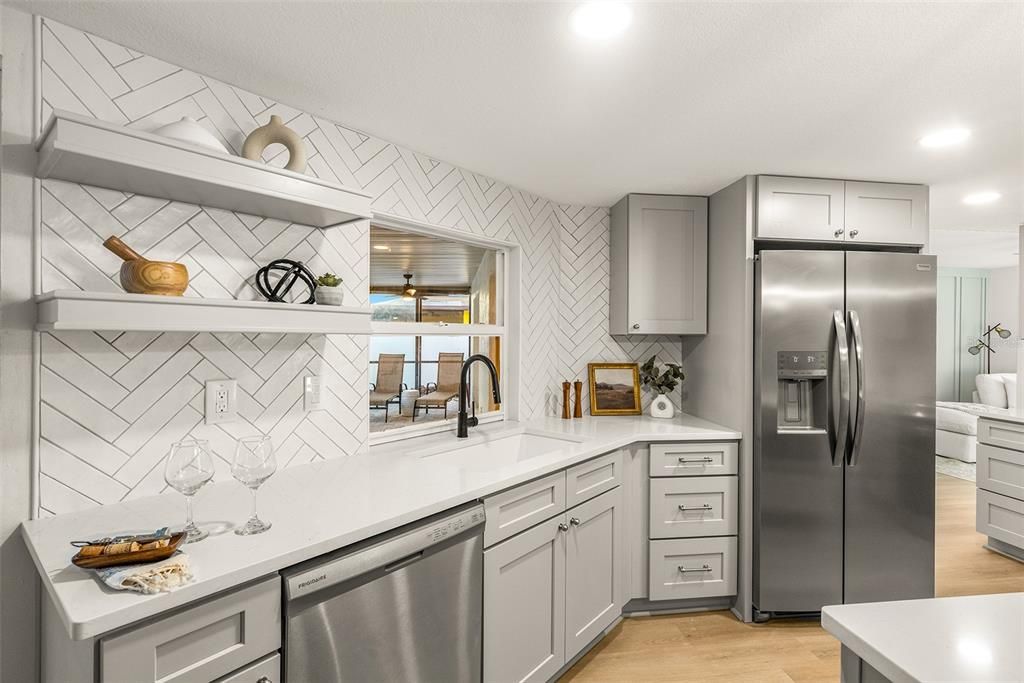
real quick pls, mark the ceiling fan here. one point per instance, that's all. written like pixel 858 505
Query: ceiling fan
pixel 408 292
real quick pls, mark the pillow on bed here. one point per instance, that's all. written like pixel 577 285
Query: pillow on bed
pixel 1010 382
pixel 991 390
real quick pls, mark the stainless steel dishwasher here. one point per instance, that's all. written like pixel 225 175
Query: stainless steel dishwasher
pixel 403 606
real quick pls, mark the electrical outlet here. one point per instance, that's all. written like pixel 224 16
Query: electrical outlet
pixel 221 401
pixel 311 393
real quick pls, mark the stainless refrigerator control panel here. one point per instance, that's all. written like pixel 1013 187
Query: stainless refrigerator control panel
pixel 803 364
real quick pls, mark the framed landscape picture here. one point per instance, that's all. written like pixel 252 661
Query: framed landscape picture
pixel 614 388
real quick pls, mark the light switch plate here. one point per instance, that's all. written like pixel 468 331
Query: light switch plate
pixel 311 393
pixel 221 401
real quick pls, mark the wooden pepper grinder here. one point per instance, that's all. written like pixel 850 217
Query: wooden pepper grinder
pixel 565 400
pixel 577 410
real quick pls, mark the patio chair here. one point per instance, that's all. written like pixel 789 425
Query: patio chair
pixel 389 385
pixel 449 369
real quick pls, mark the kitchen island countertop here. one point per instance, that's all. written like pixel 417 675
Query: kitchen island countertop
pixel 962 639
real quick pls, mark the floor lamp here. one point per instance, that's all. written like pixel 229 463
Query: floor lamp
pixel 986 343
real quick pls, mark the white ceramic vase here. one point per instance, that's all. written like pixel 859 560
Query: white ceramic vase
pixel 188 129
pixel 329 296
pixel 661 407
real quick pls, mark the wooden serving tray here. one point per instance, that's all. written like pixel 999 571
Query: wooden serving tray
pixel 138 557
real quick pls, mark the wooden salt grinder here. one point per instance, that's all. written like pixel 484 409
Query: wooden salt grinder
pixel 565 400
pixel 577 410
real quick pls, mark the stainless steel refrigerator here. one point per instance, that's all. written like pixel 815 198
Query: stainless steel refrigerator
pixel 844 452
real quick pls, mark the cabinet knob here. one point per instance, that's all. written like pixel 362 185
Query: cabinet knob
pixel 264 679
pixel 839 233
pixel 636 326
pixel 854 233
pixel 575 521
pixel 562 526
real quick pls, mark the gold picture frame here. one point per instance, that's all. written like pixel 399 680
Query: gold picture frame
pixel 614 388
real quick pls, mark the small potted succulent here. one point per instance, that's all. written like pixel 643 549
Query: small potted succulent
pixel 329 291
pixel 663 382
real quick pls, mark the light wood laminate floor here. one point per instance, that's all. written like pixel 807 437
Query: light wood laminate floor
pixel 714 646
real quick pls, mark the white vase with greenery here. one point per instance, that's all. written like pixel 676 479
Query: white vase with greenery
pixel 663 382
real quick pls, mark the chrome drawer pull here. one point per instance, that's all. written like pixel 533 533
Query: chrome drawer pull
pixel 705 507
pixel 688 461
pixel 686 570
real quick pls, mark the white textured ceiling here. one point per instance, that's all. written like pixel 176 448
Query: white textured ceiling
pixel 693 96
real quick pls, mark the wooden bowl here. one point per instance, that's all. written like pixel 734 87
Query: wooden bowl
pixel 138 557
pixel 154 277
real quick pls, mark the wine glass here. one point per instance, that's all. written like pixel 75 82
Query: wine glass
pixel 189 466
pixel 253 464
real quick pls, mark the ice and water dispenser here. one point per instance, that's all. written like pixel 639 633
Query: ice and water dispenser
pixel 803 391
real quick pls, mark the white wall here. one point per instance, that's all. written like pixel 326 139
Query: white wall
pixel 19 587
pixel 1002 307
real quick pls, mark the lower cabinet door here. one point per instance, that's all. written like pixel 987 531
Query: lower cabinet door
pixel 594 569
pixel 524 605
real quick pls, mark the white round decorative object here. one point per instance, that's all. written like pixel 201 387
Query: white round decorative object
pixel 661 407
pixel 189 130
pixel 276 131
pixel 329 296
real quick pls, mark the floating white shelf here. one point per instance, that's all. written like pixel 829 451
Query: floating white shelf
pixel 109 311
pixel 83 150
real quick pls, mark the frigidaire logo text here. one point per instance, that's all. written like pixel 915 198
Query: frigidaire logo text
pixel 310 582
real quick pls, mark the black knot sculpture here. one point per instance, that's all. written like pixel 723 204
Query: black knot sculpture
pixel 286 273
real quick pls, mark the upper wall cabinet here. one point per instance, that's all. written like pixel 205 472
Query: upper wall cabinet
pixel 799 208
pixel 886 213
pixel 659 265
pixel 822 210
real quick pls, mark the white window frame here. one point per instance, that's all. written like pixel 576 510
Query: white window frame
pixel 509 285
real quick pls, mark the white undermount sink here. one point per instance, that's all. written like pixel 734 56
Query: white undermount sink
pixel 511 447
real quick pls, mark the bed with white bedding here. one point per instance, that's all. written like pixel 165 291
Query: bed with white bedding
pixel 956 424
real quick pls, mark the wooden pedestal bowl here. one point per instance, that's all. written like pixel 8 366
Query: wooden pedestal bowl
pixel 141 276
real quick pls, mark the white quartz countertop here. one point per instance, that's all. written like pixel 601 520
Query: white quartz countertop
pixel 1015 415
pixel 966 639
pixel 320 507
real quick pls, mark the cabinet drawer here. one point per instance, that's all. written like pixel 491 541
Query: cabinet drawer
pixel 685 507
pixel 692 459
pixel 1004 434
pixel 515 510
pixel 692 568
pixel 1001 471
pixel 593 477
pixel 198 644
pixel 1001 518
pixel 266 670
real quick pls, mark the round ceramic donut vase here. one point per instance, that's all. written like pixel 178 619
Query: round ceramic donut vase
pixel 276 132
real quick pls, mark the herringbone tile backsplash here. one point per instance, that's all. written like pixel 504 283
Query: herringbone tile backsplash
pixel 113 402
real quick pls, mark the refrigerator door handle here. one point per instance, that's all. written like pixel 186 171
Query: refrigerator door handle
pixel 858 350
pixel 839 450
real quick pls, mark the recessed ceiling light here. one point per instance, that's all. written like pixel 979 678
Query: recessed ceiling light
pixel 601 20
pixel 945 137
pixel 986 197
pixel 382 247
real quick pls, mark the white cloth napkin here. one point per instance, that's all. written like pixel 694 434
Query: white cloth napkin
pixel 154 577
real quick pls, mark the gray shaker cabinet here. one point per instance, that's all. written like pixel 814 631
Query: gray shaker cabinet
pixel 801 209
pixel 845 211
pixel 659 265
